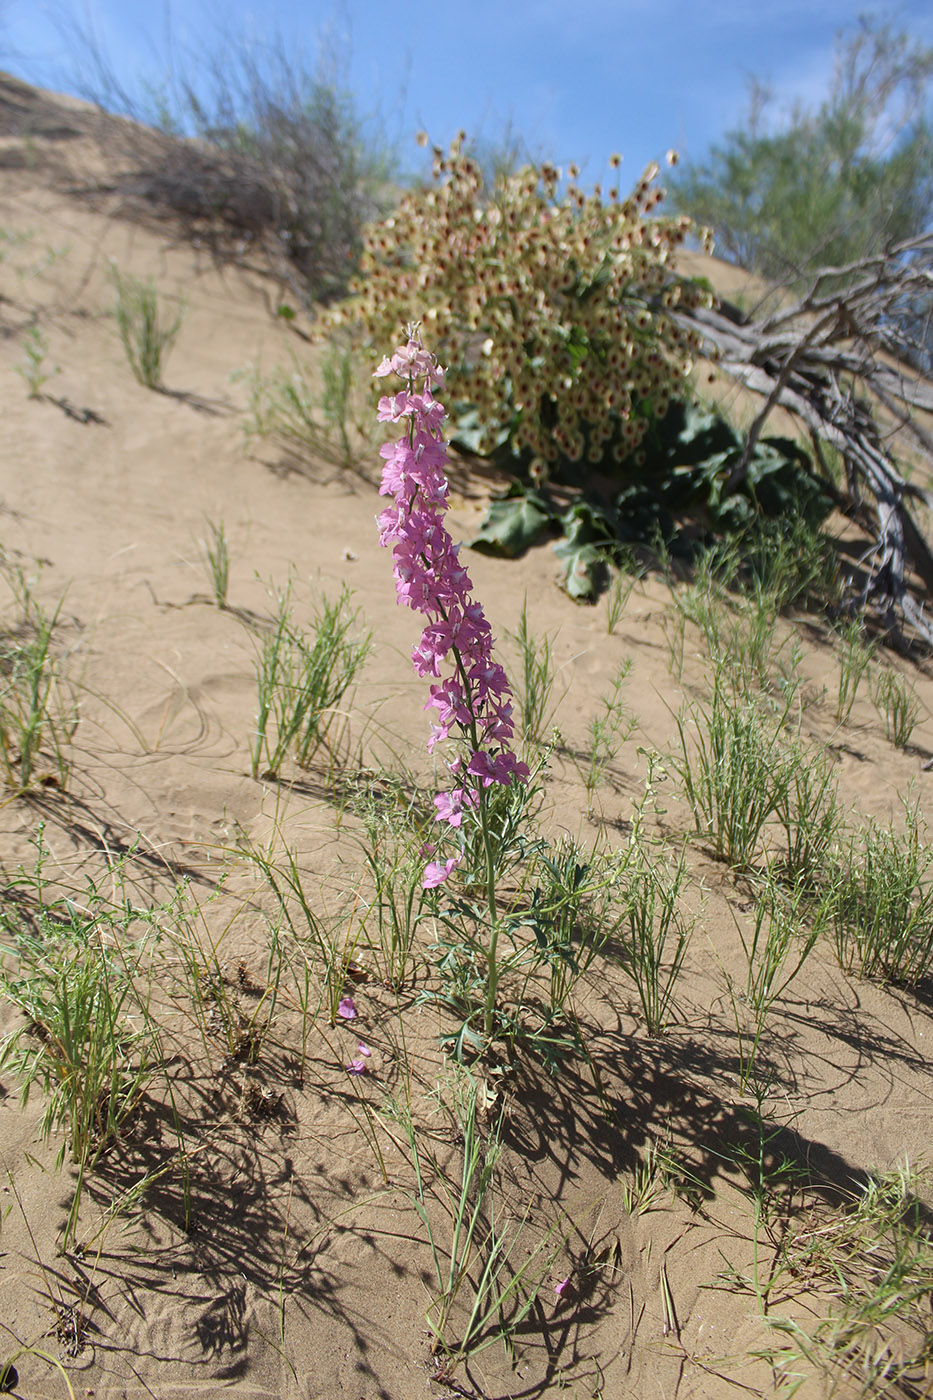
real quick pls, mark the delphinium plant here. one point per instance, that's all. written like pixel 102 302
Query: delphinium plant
pixel 474 699
pixel 480 817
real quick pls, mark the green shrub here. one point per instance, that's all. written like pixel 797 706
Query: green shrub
pixel 676 493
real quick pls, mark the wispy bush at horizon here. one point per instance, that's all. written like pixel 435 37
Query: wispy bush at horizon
pixel 295 157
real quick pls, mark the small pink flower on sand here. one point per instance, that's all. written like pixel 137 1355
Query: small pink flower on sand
pixel 356 1067
pixel 347 1009
pixel 563 1288
pixel 364 1050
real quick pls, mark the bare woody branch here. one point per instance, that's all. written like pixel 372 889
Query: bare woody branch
pixel 830 360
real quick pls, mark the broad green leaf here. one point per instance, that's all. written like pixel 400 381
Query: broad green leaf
pixel 513 523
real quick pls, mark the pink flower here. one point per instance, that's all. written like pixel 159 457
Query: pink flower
pixel 429 578
pixel 356 1067
pixel 450 805
pixel 364 1049
pixel 347 1009
pixel 435 874
pixel 563 1288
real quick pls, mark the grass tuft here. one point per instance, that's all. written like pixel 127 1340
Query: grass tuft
pixel 302 677
pixel 146 331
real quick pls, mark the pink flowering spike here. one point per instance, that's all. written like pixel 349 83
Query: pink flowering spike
pixel 473 701
pixel 357 1067
pixel 563 1288
pixel 347 1009
pixel 364 1050
pixel 436 873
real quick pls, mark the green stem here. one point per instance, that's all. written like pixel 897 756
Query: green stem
pixel 492 970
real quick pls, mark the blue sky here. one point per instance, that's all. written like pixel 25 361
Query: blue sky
pixel 578 79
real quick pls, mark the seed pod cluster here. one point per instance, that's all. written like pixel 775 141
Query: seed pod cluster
pixel 548 304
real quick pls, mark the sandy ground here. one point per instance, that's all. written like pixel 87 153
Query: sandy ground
pixel 291 1261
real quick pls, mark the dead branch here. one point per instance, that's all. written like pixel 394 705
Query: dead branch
pixel 828 359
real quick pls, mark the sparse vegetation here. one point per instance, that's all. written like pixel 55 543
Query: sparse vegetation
pixel 357 1039
pixel 147 332
pixel 33 371
pixel 281 154
pixel 883 903
pixel 856 654
pixel 284 408
pixel 735 772
pixel 897 705
pixel 37 708
pixel 302 678
pixel 215 553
